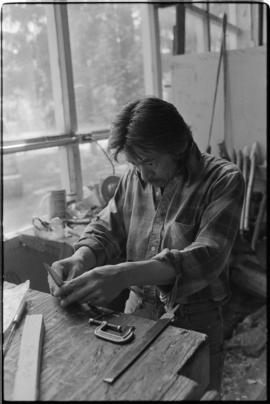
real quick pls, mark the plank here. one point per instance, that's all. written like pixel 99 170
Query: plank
pixel 26 386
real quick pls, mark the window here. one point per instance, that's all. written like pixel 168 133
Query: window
pixel 106 50
pixel 28 177
pixel 67 69
pixel 96 166
pixel 246 23
pixel 195 41
pixel 28 105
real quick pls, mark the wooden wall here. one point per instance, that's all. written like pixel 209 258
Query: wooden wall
pixel 193 87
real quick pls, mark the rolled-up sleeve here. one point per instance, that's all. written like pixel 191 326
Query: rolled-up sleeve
pixel 201 263
pixel 106 234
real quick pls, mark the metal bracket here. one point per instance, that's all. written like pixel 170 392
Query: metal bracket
pixel 113 332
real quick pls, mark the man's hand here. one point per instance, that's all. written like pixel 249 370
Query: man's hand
pixel 98 286
pixel 71 267
pixel 103 284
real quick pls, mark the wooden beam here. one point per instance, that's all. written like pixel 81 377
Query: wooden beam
pixel 26 386
pixel 64 96
pixel 151 50
pixel 179 31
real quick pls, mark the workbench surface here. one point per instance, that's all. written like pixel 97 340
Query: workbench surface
pixel 74 360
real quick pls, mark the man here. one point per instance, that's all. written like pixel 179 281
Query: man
pixel 174 218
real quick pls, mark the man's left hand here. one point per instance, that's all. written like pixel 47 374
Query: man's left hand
pixel 97 286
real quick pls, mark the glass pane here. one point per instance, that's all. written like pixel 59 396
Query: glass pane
pixel 106 47
pixel 194 33
pixel 219 8
pixel 167 20
pixel 27 178
pixel 199 5
pixel 27 89
pixel 96 167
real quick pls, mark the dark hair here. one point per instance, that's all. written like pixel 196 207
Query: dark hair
pixel 150 123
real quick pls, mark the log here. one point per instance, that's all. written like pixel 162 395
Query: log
pixel 26 386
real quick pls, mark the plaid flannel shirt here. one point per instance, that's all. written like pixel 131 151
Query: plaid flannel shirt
pixel 192 225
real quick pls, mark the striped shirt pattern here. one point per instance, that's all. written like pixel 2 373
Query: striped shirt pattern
pixel 192 226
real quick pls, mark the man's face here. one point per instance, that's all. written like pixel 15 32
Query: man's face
pixel 154 167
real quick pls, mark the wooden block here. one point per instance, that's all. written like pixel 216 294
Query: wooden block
pixel 26 386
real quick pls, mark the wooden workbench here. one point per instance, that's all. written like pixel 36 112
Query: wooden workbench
pixel 74 360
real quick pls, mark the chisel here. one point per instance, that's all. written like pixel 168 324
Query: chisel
pixel 15 323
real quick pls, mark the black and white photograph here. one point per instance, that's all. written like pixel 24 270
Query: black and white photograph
pixel 134 200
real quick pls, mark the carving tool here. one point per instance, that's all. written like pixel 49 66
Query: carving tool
pixel 18 316
pixel 126 360
pixel 253 158
pixel 105 330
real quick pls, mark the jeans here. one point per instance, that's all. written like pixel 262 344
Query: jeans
pixel 204 317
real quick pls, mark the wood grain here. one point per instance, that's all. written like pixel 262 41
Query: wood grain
pixel 75 361
pixel 26 386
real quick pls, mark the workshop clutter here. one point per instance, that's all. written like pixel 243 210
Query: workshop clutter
pixel 58 211
pixel 248 266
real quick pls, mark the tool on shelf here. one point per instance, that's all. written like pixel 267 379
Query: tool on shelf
pixel 120 334
pixel 15 323
pixel 132 355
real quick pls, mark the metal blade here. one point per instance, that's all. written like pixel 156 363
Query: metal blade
pixel 129 357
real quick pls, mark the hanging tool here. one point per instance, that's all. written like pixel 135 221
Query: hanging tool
pixel 245 169
pixel 239 159
pixel 132 355
pixel 252 158
pixel 258 222
pixel 221 55
pixel 113 332
pixel 15 322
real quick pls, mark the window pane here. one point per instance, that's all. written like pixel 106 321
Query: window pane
pixel 167 20
pixel 27 178
pixel 96 167
pixel 27 89
pixel 219 8
pixel 194 33
pixel 106 47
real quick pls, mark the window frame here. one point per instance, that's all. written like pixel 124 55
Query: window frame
pixel 67 139
pixel 66 135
